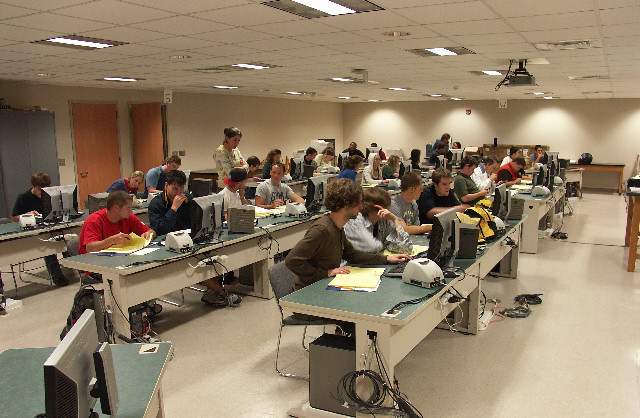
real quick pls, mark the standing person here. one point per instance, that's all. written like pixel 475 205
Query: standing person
pixel 325 160
pixel 353 150
pixel 372 174
pixel 539 156
pixel 156 179
pixel 441 149
pixel 415 159
pixel 272 157
pixel 485 176
pixel 30 202
pixel 228 156
pixel 510 172
pixel 464 186
pixel 129 185
pixel 404 205
pixel 444 138
pixel 391 169
pixel 376 228
pixel 438 196
pixel 233 193
pixel 318 254
pixel 351 166
pixel 272 193
pixel 513 153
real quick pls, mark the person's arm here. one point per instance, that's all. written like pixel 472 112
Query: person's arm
pixel 295 198
pixel 367 176
pixel 19 208
pixel 482 181
pixel 262 191
pixel 505 177
pixel 151 180
pixel 117 239
pixel 241 193
pixel 139 228
pixel 416 229
pixel 354 256
pixel 239 161
pixel 300 256
pixel 223 163
pixel 473 196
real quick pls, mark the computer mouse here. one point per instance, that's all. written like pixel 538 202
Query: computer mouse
pixel 449 274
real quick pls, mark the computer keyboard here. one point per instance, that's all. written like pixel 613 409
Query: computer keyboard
pixel 398 269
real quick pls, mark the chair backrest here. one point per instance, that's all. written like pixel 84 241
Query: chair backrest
pixel 281 279
pixel 73 246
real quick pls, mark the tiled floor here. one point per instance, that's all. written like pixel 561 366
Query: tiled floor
pixel 577 355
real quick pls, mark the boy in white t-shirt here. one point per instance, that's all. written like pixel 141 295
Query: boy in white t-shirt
pixel 272 193
pixel 233 193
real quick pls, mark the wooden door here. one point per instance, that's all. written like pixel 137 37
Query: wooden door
pixel 148 141
pixel 95 133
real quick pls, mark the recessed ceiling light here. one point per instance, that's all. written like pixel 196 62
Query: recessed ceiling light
pixel 450 50
pixel 538 93
pixel 435 95
pixel 341 79
pixel 345 97
pixel 294 92
pixel 122 79
pixel 226 87
pixel 548 97
pixel 397 88
pixel 45 75
pixel 492 72
pixel 251 66
pixel 180 57
pixel 79 42
pixel 456 98
pixel 396 34
pixel 374 100
pixel 326 6
pixel 440 51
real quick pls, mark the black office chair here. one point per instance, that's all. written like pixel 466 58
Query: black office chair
pixel 281 279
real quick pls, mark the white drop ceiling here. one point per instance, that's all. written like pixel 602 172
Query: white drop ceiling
pixel 309 51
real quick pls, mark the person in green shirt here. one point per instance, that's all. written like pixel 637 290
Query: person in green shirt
pixel 390 170
pixel 465 188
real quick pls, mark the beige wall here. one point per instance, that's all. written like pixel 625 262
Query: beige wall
pixel 608 129
pixel 195 121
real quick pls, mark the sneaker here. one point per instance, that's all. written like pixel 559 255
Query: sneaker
pixel 60 280
pixel 214 298
pixel 233 300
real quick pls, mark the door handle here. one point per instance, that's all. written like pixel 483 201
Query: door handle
pixel 84 174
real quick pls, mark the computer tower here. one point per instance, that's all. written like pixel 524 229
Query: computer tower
pixel 330 358
pixel 468 245
pixel 97 201
pixel 517 208
pixel 241 219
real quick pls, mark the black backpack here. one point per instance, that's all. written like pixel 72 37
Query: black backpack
pixel 585 158
pixel 82 301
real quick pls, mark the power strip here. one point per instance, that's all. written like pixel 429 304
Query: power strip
pixel 214 259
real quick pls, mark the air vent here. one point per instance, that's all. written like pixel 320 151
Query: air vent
pixel 588 77
pixel 562 45
pixel 456 50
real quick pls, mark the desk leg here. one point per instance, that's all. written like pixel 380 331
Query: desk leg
pixel 383 339
pixel 468 312
pixel 620 180
pixel 116 300
pixel 530 228
pixel 633 237
pixel 627 235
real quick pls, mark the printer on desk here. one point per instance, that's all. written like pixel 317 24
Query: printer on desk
pixel 27 221
pixel 423 272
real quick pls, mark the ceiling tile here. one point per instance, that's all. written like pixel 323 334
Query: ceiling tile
pixel 187 7
pixel 125 34
pixel 515 8
pixel 248 15
pixel 275 44
pixel 113 11
pixel 179 42
pixel 9 11
pixel 56 23
pixel 557 35
pixel 478 27
pixel 443 13
pixel 295 28
pixel 233 36
pixel 181 25
pixel 330 39
pixel 368 20
pixel 43 5
pixel 555 21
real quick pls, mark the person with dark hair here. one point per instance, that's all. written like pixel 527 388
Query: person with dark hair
pixel 444 138
pixel 233 193
pixel 465 188
pixel 272 193
pixel 156 177
pixel 376 228
pixel 456 145
pixel 30 202
pixel 510 172
pixel 486 175
pixel 228 156
pixel 351 166
pixel 325 160
pixel 310 158
pixel 415 159
pixel 272 157
pixel 318 254
pixel 539 156
pixel 404 205
pixel 169 211
pixel 392 168
pixel 129 185
pixel 353 150
pixel 514 152
pixel 438 197
pixel 441 149
pixel 112 225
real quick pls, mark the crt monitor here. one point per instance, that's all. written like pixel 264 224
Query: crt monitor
pixel 60 202
pixel 456 156
pixel 440 249
pixel 316 189
pixel 206 217
pixel 499 198
pixel 201 187
pixel 70 373
pixel 296 168
pixel 405 167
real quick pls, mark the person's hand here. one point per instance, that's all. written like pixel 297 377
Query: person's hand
pixel 33 212
pixel 462 208
pixel 119 239
pixel 385 181
pixel 150 234
pixel 385 213
pixel 518 180
pixel 398 258
pixel 278 202
pixel 339 270
pixel 177 201
pixel 484 192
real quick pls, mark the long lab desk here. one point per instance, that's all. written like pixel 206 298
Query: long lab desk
pixel 604 167
pixel 133 279
pixel 534 209
pixel 397 336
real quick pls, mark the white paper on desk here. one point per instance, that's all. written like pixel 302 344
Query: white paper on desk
pixel 144 251
pixel 149 348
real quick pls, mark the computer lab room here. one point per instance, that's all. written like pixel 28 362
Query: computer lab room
pixel 319 208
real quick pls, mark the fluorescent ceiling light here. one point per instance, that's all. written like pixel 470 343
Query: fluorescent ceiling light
pixel 440 51
pixel 344 97
pixel 456 98
pixel 492 72
pixel 435 95
pixel 180 57
pixel 548 97
pixel 225 87
pixel 341 79
pixel 326 6
pixel 293 92
pixel 251 66
pixel 374 100
pixel 397 88
pixel 538 93
pixel 78 42
pixel 119 79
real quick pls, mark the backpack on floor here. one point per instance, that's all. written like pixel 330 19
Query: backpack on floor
pixel 82 301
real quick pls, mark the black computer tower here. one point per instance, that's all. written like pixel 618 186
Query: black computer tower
pixel 330 358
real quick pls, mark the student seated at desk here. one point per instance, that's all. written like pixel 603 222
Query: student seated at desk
pixel 539 156
pixel 253 164
pixel 325 160
pixel 376 228
pixel 510 172
pixel 310 158
pixel 129 185
pixel 372 174
pixel 465 188
pixel 169 212
pixel 441 149
pixel 272 157
pixel 514 152
pixel 392 168
pixel 351 166
pixel 156 177
pixel 233 193
pixel 30 202
pixel 415 159
pixel 353 150
pixel 438 196
pixel 319 253
pixel 272 193
pixel 404 205
pixel 486 176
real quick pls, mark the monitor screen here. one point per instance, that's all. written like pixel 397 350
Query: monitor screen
pixel 201 187
pixel 440 237
pixel 296 168
pixel 394 151
pixel 506 205
pixel 456 156
pixel 307 171
pixel 59 202
pixel 499 198
pixel 316 189
pixel 206 217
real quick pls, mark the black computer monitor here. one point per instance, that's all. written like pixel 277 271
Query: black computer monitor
pixel 507 205
pixel 296 168
pixel 201 187
pixel 554 156
pixel 316 189
pixel 307 171
pixel 440 249
pixel 499 198
pixel 405 167
pixel 206 217
pixel 540 178
pixel 60 202
pixel 440 162
pixel 551 168
pixel 456 156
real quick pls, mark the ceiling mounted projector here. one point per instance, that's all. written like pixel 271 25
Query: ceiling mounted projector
pixel 520 76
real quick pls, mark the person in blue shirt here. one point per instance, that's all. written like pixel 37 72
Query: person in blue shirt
pixel 129 185
pixel 156 177
pixel 351 166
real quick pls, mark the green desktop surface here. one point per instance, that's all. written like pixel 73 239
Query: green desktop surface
pixel 22 389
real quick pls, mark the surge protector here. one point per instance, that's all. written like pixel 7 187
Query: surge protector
pixel 214 259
